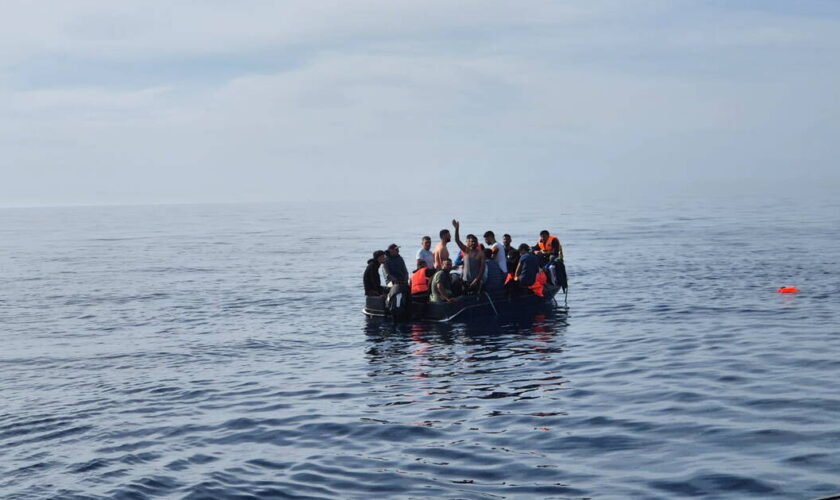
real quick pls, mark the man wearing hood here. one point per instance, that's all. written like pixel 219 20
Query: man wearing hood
pixel 373 286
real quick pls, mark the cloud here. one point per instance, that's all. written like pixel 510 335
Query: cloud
pixel 265 100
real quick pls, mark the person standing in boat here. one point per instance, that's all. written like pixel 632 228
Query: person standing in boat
pixel 424 253
pixel 395 271
pixel 473 260
pixel 441 253
pixel 494 277
pixel 497 251
pixel 373 285
pixel 441 287
pixel 511 255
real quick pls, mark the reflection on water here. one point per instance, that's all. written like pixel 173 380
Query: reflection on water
pixel 444 366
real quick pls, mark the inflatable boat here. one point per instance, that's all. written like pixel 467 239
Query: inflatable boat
pixel 466 307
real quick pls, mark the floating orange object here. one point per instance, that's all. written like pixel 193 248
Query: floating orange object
pixel 788 289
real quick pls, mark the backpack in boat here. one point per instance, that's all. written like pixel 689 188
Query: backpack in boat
pixel 397 302
pixel 556 270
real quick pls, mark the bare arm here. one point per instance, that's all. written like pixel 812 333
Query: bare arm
pixel 442 291
pixel 457 226
pixel 438 260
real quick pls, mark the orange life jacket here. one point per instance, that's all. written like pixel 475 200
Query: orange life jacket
pixel 539 283
pixel 419 281
pixel 547 247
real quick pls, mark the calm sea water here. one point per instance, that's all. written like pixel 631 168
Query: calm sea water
pixel 220 352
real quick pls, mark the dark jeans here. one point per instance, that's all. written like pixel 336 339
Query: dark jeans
pixel 472 289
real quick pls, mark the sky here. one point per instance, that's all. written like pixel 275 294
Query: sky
pixel 107 102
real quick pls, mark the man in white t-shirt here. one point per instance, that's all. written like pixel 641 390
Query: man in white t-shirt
pixel 424 253
pixel 498 250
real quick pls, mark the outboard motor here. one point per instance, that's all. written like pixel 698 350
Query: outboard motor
pixel 398 302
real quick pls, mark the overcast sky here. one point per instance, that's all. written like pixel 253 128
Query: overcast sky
pixel 193 101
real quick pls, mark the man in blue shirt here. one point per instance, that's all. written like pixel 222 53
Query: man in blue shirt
pixel 528 267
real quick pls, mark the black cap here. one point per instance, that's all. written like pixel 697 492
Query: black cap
pixel 392 246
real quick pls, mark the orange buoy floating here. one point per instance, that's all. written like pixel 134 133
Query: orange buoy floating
pixel 788 289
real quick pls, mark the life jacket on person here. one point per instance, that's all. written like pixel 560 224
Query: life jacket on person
pixel 548 246
pixel 419 282
pixel 539 284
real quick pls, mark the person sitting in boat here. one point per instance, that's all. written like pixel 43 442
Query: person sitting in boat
pixel 441 253
pixel 441 287
pixel 473 260
pixel 548 247
pixel 424 253
pixel 373 285
pixel 395 271
pixel 494 277
pixel 459 261
pixel 530 276
pixel 420 279
pixel 527 268
pixel 551 252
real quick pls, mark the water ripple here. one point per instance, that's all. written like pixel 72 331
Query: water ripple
pixel 179 356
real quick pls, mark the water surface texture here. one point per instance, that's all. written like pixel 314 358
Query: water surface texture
pixel 219 352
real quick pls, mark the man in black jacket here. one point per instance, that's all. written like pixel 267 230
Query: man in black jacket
pixel 373 286
pixel 395 270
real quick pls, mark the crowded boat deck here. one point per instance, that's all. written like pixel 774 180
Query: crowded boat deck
pixel 482 278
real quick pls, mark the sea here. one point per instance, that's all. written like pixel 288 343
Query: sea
pixel 219 351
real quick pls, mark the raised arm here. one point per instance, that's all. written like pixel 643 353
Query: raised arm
pixel 457 226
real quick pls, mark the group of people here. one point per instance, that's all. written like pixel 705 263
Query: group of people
pixel 491 267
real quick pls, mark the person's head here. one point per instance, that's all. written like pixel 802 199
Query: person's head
pixel 445 236
pixel 421 263
pixel 379 256
pixel 543 235
pixel 506 240
pixel 447 264
pixel 426 242
pixel 489 237
pixel 472 241
pixel 524 248
pixel 393 249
